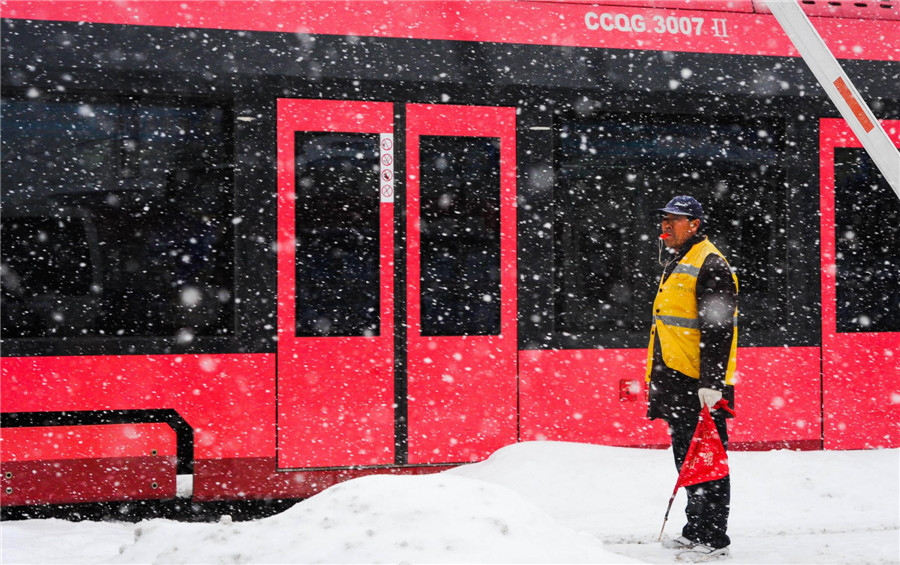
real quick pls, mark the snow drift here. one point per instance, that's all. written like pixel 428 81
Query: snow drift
pixel 541 502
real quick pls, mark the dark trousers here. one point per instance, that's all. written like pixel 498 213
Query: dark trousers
pixel 708 503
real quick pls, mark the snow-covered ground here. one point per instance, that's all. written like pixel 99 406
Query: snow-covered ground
pixel 542 502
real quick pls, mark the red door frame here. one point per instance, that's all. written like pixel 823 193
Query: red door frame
pixel 860 371
pixel 335 394
pixel 462 390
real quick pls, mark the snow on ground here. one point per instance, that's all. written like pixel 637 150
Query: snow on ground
pixel 541 502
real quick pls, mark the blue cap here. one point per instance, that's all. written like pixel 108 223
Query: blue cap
pixel 683 206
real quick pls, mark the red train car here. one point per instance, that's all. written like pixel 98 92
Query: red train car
pixel 274 245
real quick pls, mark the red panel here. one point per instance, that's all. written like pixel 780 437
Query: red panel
pixel 714 5
pixel 335 394
pixel 87 480
pixel 574 395
pixel 229 479
pixel 773 403
pixel 504 22
pixel 87 442
pixel 229 400
pixel 462 390
pixel 857 9
pixel 861 371
pixel 61 464
pixel 862 391
pixel 335 405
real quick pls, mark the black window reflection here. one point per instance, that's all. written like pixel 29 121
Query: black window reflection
pixel 117 219
pixel 51 272
pixel 612 172
pixel 337 251
pixel 867 241
pixel 460 231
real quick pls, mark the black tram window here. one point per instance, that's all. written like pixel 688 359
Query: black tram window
pixel 460 230
pixel 613 171
pixel 117 219
pixel 337 251
pixel 50 274
pixel 51 147
pixel 867 237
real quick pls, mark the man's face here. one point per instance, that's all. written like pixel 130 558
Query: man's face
pixel 679 228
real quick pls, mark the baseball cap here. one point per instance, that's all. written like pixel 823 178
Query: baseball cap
pixel 683 206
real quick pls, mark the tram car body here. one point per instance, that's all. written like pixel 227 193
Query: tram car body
pixel 275 245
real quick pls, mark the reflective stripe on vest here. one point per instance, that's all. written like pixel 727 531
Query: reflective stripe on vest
pixel 677 320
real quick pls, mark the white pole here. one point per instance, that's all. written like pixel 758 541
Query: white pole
pixel 837 84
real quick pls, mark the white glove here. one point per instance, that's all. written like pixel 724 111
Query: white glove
pixel 709 397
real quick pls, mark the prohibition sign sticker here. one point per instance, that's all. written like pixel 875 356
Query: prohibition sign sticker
pixel 386 174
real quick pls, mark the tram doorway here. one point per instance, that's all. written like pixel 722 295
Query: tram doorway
pixel 396 283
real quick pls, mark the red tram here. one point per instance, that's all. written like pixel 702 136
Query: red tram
pixel 274 245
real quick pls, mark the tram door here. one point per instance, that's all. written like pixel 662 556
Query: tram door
pixel 860 218
pixel 335 357
pixel 394 354
pixel 460 282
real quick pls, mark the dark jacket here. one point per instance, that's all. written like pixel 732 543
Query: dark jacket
pixel 673 394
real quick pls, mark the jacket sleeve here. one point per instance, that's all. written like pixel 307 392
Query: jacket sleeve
pixel 716 301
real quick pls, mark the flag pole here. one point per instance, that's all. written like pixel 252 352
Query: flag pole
pixel 666 519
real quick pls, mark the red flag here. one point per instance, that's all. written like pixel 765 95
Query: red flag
pixel 706 458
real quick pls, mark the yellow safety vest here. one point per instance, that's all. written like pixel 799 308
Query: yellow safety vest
pixel 677 320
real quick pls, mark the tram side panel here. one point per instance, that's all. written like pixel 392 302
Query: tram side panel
pixel 587 261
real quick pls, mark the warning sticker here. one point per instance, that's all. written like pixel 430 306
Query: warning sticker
pixel 387 167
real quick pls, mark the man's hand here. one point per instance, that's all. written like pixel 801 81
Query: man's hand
pixel 709 397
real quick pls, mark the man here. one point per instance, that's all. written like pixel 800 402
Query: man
pixel 691 363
